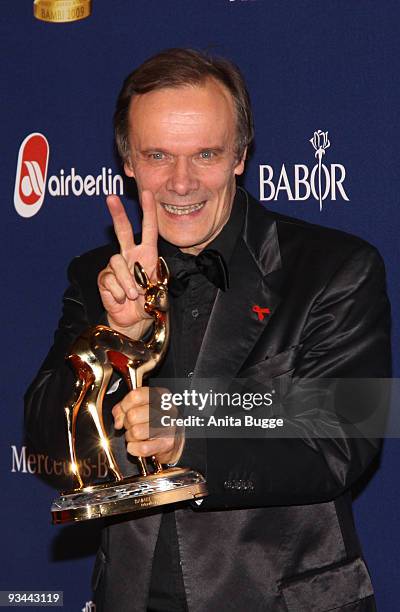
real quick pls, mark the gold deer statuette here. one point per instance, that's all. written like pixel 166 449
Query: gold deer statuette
pixel 101 349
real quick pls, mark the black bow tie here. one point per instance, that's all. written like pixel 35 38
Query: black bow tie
pixel 209 263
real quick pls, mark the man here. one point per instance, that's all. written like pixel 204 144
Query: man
pixel 276 531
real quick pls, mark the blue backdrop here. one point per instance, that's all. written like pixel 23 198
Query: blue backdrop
pixel 310 65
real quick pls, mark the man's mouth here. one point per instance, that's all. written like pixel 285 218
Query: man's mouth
pixel 183 210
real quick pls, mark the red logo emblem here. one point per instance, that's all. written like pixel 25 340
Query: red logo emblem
pixel 261 312
pixel 30 180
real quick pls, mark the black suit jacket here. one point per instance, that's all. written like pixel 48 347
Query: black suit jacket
pixel 276 532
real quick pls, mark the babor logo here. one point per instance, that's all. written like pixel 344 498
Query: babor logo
pixel 30 181
pixel 303 183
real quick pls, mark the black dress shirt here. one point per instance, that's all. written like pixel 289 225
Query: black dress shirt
pixel 189 314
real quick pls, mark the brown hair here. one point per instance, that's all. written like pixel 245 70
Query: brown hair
pixel 178 68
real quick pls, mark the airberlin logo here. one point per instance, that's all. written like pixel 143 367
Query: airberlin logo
pixel 33 159
pixel 320 182
pixel 32 185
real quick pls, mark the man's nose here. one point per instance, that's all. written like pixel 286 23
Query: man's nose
pixel 183 178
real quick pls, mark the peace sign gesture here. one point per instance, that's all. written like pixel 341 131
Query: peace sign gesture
pixel 122 298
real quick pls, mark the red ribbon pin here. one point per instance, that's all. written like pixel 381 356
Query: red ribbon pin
pixel 261 312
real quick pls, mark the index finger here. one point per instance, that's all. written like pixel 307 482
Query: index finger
pixel 122 225
pixel 149 222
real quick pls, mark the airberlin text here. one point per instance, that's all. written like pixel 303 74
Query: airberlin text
pixel 72 183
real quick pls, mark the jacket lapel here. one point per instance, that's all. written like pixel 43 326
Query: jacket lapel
pixel 233 327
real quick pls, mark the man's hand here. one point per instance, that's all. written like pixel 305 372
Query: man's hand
pixel 133 413
pixel 122 298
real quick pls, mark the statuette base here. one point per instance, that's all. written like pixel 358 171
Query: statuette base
pixel 170 486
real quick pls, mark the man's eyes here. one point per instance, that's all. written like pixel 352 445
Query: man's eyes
pixel 209 155
pixel 157 155
pixel 206 155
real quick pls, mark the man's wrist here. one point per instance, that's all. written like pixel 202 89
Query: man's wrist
pixel 180 443
pixel 135 332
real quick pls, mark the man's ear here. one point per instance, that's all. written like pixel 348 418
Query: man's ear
pixel 128 168
pixel 239 168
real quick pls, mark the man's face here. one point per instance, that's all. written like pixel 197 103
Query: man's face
pixel 183 149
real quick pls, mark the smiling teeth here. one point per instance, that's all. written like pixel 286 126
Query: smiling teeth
pixel 183 210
